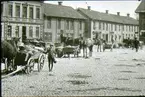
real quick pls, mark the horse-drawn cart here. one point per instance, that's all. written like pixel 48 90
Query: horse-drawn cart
pixel 29 59
pixel 61 51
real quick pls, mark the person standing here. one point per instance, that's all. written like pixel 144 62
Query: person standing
pixel 51 58
pixel 136 44
pixel 99 45
pixel 112 45
pixel 104 45
pixel 61 37
pixel 81 44
pixel 91 49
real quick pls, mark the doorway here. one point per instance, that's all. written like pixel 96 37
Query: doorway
pixel 24 37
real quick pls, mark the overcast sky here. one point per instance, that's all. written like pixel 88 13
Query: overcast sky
pixel 122 6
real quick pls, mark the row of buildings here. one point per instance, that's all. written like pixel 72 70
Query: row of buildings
pixel 35 19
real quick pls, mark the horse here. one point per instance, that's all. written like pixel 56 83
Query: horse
pixel 86 44
pixel 9 51
pixel 98 42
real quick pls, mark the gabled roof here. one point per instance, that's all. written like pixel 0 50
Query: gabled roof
pixel 61 11
pixel 141 7
pixel 95 15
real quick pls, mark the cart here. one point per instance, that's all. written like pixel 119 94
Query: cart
pixel 71 50
pixel 28 63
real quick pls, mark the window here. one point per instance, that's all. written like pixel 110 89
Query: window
pixel 58 37
pixel 30 31
pixel 67 24
pixel 119 27
pixel 49 37
pixel 103 26
pixel 17 31
pixel 38 13
pixel 80 25
pixel 72 25
pixel 115 27
pixel 129 28
pixel 71 35
pixel 49 23
pixel 31 13
pixel 17 10
pixel 122 27
pixel 94 26
pixel 1 9
pixel 10 10
pixel 99 25
pixel 143 23
pixel 37 32
pixel 59 23
pixel 123 36
pixel 111 27
pixel 24 12
pixel 9 31
pixel 126 28
pixel 106 26
pixel 134 29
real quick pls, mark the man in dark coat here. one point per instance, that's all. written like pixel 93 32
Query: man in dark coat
pixel 136 44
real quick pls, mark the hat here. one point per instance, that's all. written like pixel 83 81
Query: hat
pixel 21 44
pixel 51 44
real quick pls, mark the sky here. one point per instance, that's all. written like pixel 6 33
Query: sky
pixel 114 6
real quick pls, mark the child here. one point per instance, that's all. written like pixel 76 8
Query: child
pixel 104 45
pixel 50 57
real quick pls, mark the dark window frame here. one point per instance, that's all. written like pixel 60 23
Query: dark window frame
pixel 17 10
pixel 10 10
pixel 37 13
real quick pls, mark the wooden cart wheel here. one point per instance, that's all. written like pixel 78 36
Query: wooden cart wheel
pixel 40 62
pixel 30 66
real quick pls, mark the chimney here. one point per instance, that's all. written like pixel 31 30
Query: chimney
pixel 107 11
pixel 118 13
pixel 128 15
pixel 89 7
pixel 59 3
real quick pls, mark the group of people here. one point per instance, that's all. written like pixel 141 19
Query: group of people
pixel 84 44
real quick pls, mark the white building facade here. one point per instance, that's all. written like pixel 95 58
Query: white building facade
pixel 21 19
pixel 108 26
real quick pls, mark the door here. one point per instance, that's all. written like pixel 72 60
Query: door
pixel 24 37
pixel 107 37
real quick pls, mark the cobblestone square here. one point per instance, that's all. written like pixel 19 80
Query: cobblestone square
pixel 120 72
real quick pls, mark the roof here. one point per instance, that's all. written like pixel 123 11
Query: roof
pixel 95 15
pixel 141 7
pixel 61 11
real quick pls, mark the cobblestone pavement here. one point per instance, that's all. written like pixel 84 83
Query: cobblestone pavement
pixel 121 72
